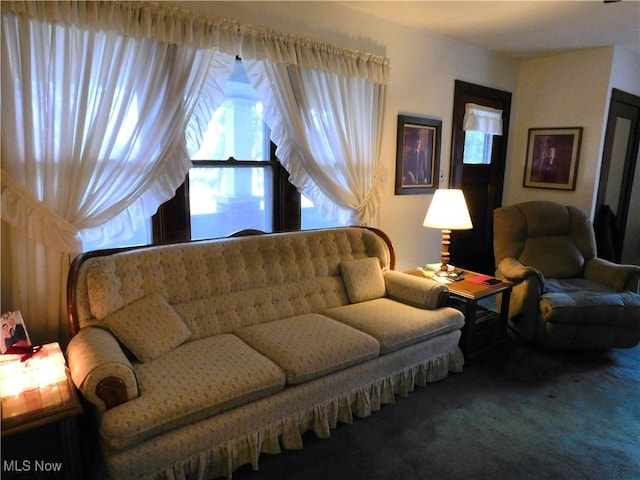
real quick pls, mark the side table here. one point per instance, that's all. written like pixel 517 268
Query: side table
pixel 485 327
pixel 39 426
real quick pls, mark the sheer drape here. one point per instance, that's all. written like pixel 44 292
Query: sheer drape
pixel 96 146
pixel 324 107
pixel 327 129
pixel 100 100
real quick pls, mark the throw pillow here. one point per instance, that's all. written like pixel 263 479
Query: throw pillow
pixel 148 327
pixel 363 279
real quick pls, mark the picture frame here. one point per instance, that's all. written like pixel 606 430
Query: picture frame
pixel 417 155
pixel 14 331
pixel 552 158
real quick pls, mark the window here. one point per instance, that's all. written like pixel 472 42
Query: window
pixel 236 182
pixel 231 183
pixel 122 145
pixel 477 148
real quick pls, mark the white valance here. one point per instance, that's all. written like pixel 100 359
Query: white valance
pixel 479 118
pixel 181 26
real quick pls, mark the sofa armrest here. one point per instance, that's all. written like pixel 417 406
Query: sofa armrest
pixel 620 277
pixel 100 369
pixel 415 291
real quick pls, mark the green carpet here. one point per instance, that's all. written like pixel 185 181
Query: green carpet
pixel 519 413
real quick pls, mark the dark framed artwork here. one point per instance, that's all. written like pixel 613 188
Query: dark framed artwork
pixel 417 155
pixel 552 158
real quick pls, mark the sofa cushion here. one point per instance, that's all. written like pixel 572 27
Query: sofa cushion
pixel 148 327
pixel 363 279
pixel 192 382
pixel 396 325
pixel 310 346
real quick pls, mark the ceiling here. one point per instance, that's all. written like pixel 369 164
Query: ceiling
pixel 523 29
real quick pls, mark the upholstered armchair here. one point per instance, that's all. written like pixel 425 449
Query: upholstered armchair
pixel 563 295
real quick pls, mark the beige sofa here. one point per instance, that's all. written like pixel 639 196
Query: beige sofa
pixel 200 356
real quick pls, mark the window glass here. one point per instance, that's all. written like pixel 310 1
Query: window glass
pixel 310 217
pixel 227 197
pixel 477 147
pixel 224 200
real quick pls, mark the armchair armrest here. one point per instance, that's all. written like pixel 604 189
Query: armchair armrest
pixel 529 283
pixel 415 291
pixel 100 369
pixel 514 271
pixel 620 277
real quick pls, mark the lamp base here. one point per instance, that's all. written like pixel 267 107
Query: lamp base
pixel 450 272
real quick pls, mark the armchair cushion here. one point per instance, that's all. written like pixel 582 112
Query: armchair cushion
pixel 556 256
pixel 588 303
pixel 156 330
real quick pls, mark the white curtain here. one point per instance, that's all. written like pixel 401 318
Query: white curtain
pixel 480 118
pixel 325 111
pixel 101 99
pixel 94 144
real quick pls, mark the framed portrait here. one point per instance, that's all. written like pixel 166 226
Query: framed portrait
pixel 417 155
pixel 14 331
pixel 552 158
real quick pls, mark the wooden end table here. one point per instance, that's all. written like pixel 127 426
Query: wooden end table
pixel 485 326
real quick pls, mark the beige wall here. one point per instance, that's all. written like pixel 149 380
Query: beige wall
pixel 568 90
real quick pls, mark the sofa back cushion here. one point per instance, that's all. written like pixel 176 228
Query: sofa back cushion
pixel 221 285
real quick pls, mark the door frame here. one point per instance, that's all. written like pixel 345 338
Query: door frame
pixel 466 92
pixel 619 103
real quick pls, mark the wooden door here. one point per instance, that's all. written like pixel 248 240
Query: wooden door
pixel 482 183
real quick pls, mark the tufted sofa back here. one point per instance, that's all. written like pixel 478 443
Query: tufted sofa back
pixel 220 285
pixel 554 238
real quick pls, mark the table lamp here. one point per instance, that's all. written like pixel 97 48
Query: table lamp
pixel 448 211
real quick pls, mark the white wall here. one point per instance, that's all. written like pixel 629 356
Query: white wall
pixel 568 90
pixel 625 72
pixel 423 70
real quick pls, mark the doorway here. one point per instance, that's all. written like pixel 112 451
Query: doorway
pixel 480 180
pixel 619 184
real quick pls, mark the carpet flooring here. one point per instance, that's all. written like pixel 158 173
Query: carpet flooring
pixel 521 412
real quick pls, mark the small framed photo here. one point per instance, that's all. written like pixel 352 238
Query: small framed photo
pixel 417 155
pixel 552 158
pixel 14 331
